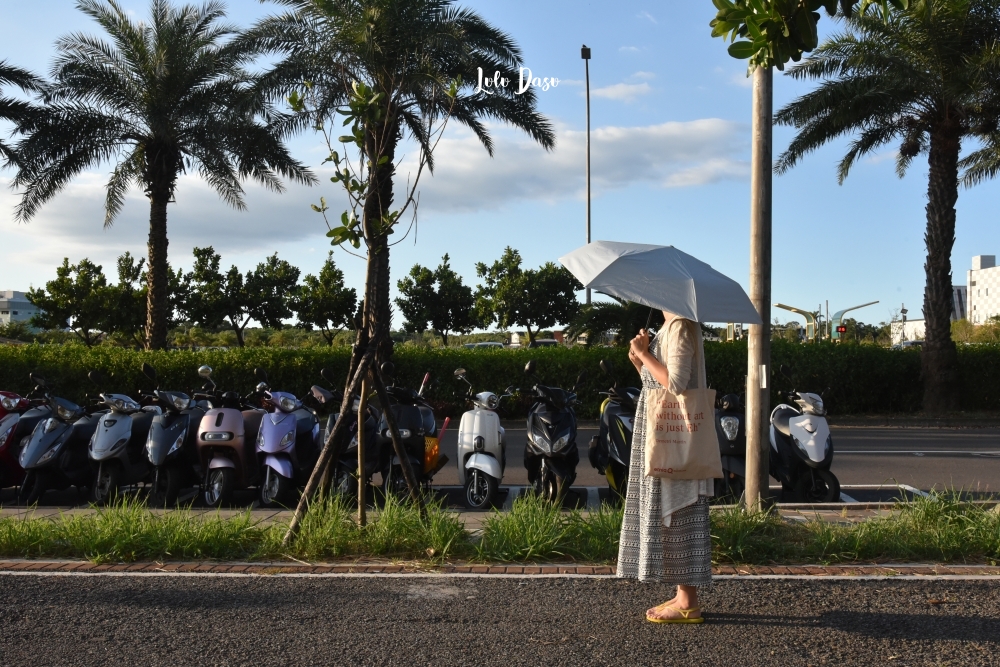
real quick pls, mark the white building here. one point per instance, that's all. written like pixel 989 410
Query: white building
pixel 983 289
pixel 15 307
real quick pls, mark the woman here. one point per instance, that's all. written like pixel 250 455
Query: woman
pixel 665 533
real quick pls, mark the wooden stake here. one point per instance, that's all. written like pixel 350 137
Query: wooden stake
pixel 326 455
pixel 362 477
pixel 759 350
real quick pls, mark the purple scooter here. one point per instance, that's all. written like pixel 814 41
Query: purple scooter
pixel 287 444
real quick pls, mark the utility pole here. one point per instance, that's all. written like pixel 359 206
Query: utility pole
pixel 759 348
pixel 585 54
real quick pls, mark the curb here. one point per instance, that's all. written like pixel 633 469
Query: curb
pixel 66 567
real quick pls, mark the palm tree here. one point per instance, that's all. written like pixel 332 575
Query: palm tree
pixel 409 52
pixel 13 110
pixel 923 79
pixel 160 99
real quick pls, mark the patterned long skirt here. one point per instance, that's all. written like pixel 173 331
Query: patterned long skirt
pixel 649 551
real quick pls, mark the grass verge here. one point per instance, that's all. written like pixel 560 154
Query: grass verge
pixel 940 528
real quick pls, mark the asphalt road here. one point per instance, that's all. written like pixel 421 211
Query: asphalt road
pixel 477 621
pixel 921 457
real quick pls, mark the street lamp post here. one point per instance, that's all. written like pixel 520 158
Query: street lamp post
pixel 585 54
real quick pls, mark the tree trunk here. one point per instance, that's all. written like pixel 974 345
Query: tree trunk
pixel 939 358
pixel 381 142
pixel 157 280
pixel 444 338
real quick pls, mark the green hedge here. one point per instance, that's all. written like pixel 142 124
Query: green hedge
pixel 861 379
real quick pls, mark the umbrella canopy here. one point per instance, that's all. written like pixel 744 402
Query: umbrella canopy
pixel 661 277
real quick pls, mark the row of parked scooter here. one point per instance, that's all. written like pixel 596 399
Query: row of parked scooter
pixel 221 442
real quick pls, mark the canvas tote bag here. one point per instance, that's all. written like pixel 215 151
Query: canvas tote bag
pixel 681 442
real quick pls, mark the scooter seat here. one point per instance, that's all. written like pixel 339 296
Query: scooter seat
pixel 781 418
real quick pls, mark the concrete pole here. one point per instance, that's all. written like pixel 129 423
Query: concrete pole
pixel 585 54
pixel 759 357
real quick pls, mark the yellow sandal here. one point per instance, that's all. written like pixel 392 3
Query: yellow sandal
pixel 685 615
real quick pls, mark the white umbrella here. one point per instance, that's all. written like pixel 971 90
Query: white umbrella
pixel 661 277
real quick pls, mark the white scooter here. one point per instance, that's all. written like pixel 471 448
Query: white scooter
pixel 802 449
pixel 482 449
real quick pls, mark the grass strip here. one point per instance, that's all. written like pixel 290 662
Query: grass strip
pixel 940 528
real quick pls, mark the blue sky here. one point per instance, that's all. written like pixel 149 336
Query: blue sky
pixel 670 118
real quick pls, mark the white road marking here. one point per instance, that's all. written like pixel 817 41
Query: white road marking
pixel 844 498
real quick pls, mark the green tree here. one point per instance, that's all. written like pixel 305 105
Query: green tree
pixel 922 80
pixel 13 110
pixel 165 96
pixel 437 297
pixel 530 298
pixel 620 319
pixel 78 299
pixel 323 302
pixel 215 299
pixel 397 68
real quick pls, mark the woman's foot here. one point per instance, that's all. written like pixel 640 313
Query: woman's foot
pixel 666 613
pixel 671 602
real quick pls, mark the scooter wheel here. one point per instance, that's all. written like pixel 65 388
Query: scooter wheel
pixel 817 486
pixel 106 483
pixel 275 488
pixel 480 489
pixel 166 487
pixel 219 485
pixel 34 486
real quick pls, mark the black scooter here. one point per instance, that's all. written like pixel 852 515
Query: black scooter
pixel 551 454
pixel 344 475
pixel 730 427
pixel 416 424
pixel 55 454
pixel 171 446
pixel 611 449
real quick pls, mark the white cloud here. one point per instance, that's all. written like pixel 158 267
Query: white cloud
pixel 742 80
pixel 626 92
pixel 629 49
pixel 646 15
pixel 643 76
pixel 669 155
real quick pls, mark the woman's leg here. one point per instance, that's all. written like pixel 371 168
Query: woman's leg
pixel 686 598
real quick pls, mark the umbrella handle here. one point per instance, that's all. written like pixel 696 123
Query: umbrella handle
pixel 649 318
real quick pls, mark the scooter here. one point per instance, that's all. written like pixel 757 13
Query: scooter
pixel 730 427
pixel 117 448
pixel 551 454
pixel 18 417
pixel 345 468
pixel 611 449
pixel 288 443
pixel 419 434
pixel 225 452
pixel 55 455
pixel 171 447
pixel 482 448
pixel 802 448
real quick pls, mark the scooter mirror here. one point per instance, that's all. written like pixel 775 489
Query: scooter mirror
pixel 260 374
pixel 510 390
pixel 529 368
pixel 786 371
pixel 37 379
pixel 607 367
pixel 460 372
pixel 96 376
pixel 580 378
pixel 149 372
pixel 205 371
pixel 388 369
pixel 326 375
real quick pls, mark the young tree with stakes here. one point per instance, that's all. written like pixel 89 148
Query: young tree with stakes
pixel 393 69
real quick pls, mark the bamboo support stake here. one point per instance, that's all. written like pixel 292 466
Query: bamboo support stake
pixel 325 456
pixel 362 477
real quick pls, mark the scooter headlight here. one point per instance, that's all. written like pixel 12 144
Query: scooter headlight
pixel 178 443
pixel 216 436
pixel 9 403
pixel 287 404
pixel 49 455
pixel 181 402
pixel 560 443
pixel 730 426
pixel 492 401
